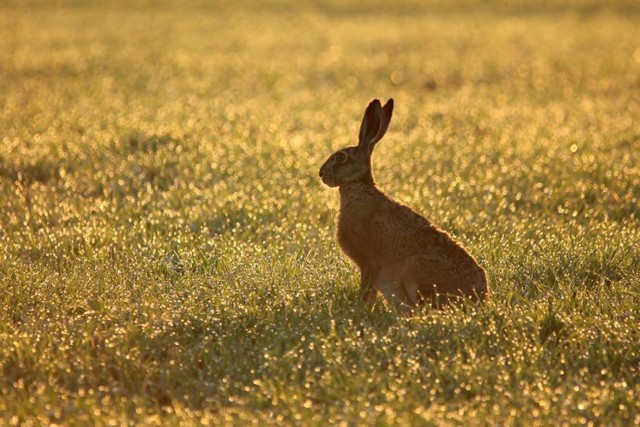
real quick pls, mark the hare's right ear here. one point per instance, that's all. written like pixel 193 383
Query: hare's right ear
pixel 375 124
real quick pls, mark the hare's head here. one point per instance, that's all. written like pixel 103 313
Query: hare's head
pixel 353 164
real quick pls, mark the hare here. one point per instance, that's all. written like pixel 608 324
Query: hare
pixel 399 253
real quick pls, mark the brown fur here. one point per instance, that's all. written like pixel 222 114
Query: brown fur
pixel 399 253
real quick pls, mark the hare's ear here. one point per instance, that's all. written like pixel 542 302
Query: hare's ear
pixel 370 124
pixel 385 119
pixel 375 124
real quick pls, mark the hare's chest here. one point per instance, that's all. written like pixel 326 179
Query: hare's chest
pixel 355 240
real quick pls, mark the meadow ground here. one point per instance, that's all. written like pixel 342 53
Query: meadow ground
pixel 166 247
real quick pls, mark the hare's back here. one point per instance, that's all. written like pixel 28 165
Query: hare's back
pixel 415 230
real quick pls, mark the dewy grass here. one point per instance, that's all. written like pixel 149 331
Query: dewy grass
pixel 167 251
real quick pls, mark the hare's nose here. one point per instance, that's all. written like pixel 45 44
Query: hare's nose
pixel 321 172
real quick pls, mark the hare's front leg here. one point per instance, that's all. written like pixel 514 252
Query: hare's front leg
pixel 367 279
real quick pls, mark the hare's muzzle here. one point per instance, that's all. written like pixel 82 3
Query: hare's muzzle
pixel 326 175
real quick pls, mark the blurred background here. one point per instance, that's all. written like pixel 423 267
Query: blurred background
pixel 218 114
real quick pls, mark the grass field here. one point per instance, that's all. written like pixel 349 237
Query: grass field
pixel 167 251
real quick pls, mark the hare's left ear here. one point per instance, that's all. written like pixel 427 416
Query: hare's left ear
pixel 375 124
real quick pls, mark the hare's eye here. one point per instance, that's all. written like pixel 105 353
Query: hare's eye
pixel 341 157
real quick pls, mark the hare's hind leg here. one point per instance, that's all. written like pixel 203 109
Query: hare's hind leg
pixel 429 281
pixel 390 285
